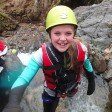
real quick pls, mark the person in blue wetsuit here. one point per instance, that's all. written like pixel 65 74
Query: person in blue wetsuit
pixel 3 92
pixel 10 69
pixel 63 60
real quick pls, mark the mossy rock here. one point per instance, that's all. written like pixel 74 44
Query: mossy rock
pixel 7 23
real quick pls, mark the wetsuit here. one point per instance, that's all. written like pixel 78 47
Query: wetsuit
pixel 3 92
pixel 50 100
pixel 8 74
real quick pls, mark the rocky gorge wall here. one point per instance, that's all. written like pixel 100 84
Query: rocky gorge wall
pixel 95 29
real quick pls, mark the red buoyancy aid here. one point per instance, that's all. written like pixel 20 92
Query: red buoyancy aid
pixel 47 63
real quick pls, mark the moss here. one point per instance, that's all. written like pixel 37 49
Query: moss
pixel 6 22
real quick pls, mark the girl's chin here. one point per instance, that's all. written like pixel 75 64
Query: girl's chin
pixel 61 50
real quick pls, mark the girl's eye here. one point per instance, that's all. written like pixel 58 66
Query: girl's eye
pixel 69 34
pixel 57 33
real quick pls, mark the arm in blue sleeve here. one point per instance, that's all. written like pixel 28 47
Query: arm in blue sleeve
pixel 87 65
pixel 90 76
pixel 20 85
pixel 28 74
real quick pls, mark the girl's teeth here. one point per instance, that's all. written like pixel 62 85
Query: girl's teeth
pixel 62 44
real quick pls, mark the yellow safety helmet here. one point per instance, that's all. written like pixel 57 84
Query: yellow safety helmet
pixel 60 15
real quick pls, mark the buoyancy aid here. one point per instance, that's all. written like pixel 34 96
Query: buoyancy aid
pixel 54 65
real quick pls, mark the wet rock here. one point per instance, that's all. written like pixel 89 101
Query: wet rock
pixel 108 73
pixel 6 22
pixel 28 10
pixel 27 38
pixel 98 61
pixel 95 28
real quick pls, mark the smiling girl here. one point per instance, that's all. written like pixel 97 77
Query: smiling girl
pixel 62 61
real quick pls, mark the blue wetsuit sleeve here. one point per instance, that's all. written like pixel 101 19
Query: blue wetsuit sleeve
pixel 28 73
pixel 88 65
pixel 90 76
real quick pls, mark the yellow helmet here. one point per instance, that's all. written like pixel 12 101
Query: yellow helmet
pixel 60 15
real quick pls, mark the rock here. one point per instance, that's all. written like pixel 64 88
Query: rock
pixel 108 53
pixel 94 24
pixel 6 22
pixel 99 63
pixel 28 10
pixel 108 73
pixel 32 100
pixel 95 28
pixel 109 104
pixel 27 38
pixel 97 59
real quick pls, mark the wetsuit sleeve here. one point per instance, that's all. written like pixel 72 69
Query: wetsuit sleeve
pixel 87 65
pixel 20 85
pixel 2 62
pixel 90 76
pixel 30 71
pixel 28 74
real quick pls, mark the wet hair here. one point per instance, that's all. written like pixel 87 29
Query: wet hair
pixel 72 56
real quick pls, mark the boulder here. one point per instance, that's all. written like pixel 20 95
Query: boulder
pixel 6 22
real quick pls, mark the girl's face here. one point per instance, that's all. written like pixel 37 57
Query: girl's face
pixel 62 37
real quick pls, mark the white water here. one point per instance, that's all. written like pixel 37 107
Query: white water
pixel 24 57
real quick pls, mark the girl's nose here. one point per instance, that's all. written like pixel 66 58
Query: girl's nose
pixel 63 37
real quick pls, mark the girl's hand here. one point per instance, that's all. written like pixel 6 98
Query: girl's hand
pixel 91 84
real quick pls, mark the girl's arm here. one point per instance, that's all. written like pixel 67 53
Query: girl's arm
pixel 20 85
pixel 90 76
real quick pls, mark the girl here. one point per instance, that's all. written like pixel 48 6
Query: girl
pixel 62 61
